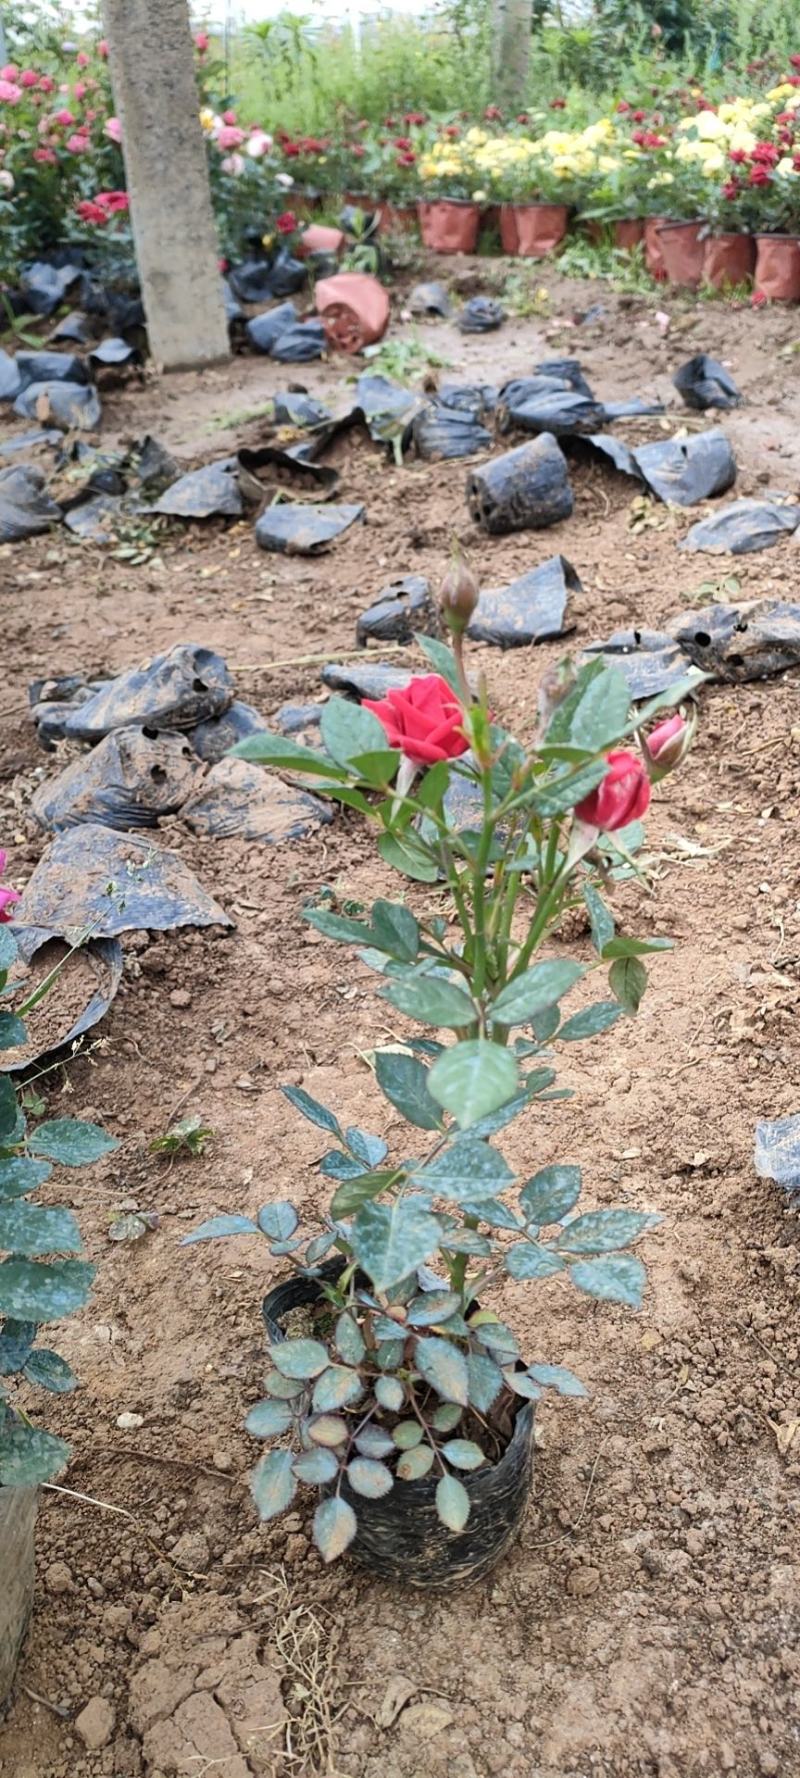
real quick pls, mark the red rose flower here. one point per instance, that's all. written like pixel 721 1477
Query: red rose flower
pixel 201 42
pixel 731 189
pixel 7 896
pixel 765 154
pixel 623 106
pixel 402 142
pixel 623 796
pixel 558 104
pixel 493 114
pixel 406 160
pixel 795 61
pixel 639 116
pixel 758 299
pixel 760 176
pixel 738 156
pixel 452 130
pixel 425 721
pixel 286 223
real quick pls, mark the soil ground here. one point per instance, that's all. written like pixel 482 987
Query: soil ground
pixel 647 1624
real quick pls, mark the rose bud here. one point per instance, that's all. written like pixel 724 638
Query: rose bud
pixel 623 796
pixel 667 744
pixel 459 594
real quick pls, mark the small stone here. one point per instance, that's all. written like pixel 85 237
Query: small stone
pixel 95 1725
pixel 222 1460
pixel 768 1762
pixel 130 1422
pixel 180 997
pixel 582 1582
pixel 191 1552
pixel 58 1578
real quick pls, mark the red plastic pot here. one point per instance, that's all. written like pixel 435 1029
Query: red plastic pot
pixel 728 260
pixel 530 231
pixel 319 239
pixel 653 256
pixel 354 308
pixel 629 233
pixel 395 219
pixel 683 246
pixel 777 273
pixel 449 225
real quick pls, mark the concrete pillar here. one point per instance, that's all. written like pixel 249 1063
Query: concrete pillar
pixel 155 94
pixel 511 51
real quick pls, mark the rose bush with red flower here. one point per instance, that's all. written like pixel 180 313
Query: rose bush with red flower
pixel 425 721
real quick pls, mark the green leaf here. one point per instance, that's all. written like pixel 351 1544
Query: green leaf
pixel 317 1249
pixel 485 1381
pixel 456 1240
pixel 221 1225
pixel 452 1503
pixel 442 659
pixel 568 788
pixel 29 1456
pixel 389 1394
pixel 493 1212
pixel 431 789
pixel 72 1141
pixel 299 1359
pixel 391 1240
pixel 556 1376
pixel 348 1339
pixel 432 1307
pixel 30 1229
pixel 466 1170
pixel 472 1079
pixel 16 1341
pixel 340 927
pixel 521 1384
pixel 412 1465
pixel 444 1418
pixel 595 712
pixel 407 1434
pixel 408 855
pixel 497 1120
pixel 278 1220
pixel 537 988
pixel 601 920
pixel 8 948
pixel 604 1231
pixel 627 978
pixel 635 947
pixel 18 1176
pixel 463 1453
pixel 527 1259
pixel 369 1150
pixel 311 1109
pixel 328 1430
pixel 444 1367
pixel 372 1441
pixel 31 1290
pixel 12 1122
pixel 335 1526
pixel 550 1194
pixel 317 1467
pixel 377 768
pixel 404 1081
pixel 592 1021
pixel 395 930
pixel 348 729
pixel 619 1278
pixel 354 1192
pixel 12 1031
pixel 272 1483
pixel 337 1165
pixel 268 1419
pixel 496 1335
pixel 278 750
pixel 336 1388
pixel 432 999
pixel 370 1478
pixel 284 1388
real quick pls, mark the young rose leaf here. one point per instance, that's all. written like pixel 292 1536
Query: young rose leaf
pixel 389 1355
pixel 390 1240
pixel 268 1419
pixel 33 1229
pixel 452 1503
pixel 328 1429
pixel 348 729
pixel 619 1278
pixel 338 926
pixel 404 1082
pixel 442 659
pixel 494 1334
pixel 456 1240
pixel 311 1109
pixel 12 1031
pixel 336 1388
pixel 604 1231
pixel 592 1021
pixel 467 1169
pixel 412 1465
pixel 316 1467
pixel 8 948
pixel 221 1225
pixel 444 1367
pixel 395 930
pixel 12 1122
pixel 373 1442
pixel 299 1358
pixel 526 1259
pixel 317 1249
pixel 16 1341
pixel 49 1371
pixel 33 1290
pixel 550 1194
pixel 389 1394
pixel 493 1212
pixel 407 1434
pixel 484 1381
pixel 348 1339
pixel 409 855
pixel 369 1150
pixel 627 979
pixel 335 1526
pixel 556 1376
pixel 338 1165
pixel 433 1000
pixel 537 988
pixel 18 1176
pixel 280 751
pixel 359 1190
pixel 278 1220
pixel 71 1141
pixel 446 1417
pixel 521 1384
pixel 432 1307
pixel 463 1453
pixel 635 947
pixel 600 919
pixel 568 787
pixel 370 1478
pixel 29 1456
pixel 284 1388
pixel 595 712
pixel 272 1483
pixel 472 1079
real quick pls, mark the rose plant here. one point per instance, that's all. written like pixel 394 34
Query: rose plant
pixel 407 1372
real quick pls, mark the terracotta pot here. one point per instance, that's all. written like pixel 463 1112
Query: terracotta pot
pixel 777 273
pixel 319 239
pixel 361 201
pixel 354 308
pixel 395 219
pixel 529 231
pixel 449 225
pixel 683 252
pixel 628 233
pixel 653 256
pixel 728 260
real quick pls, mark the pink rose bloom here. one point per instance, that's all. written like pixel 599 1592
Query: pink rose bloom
pixel 229 137
pixel 258 143
pixel 7 896
pixel 44 156
pixel 29 77
pixel 9 72
pixel 64 86
pixel 82 59
pixel 47 84
pixel 77 143
pixel 229 116
pixel 80 89
pixel 102 47
pixel 233 163
pixel 201 42
pixel 90 116
pixel 64 117
pixel 113 129
pixel 9 92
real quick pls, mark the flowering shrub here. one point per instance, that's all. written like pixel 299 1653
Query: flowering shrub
pixel 406 1371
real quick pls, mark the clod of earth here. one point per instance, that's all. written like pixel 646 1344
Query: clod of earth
pixel 742 528
pixel 112 883
pixel 649 659
pixel 305 530
pixel 400 609
pixel 527 489
pixel 531 609
pixel 129 780
pixel 443 432
pixel 178 689
pixel 25 505
pixel 482 314
pixel 685 471
pixel 67 405
pixel 777 1151
pixel 703 382
pixel 237 800
pixel 749 640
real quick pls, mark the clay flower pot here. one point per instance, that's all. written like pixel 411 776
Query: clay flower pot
pixel 683 253
pixel 354 308
pixel 777 273
pixel 653 256
pixel 728 260
pixel 529 231
pixel 629 232
pixel 395 219
pixel 449 225
pixel 319 239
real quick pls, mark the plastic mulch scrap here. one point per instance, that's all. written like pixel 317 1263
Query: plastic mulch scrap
pixel 237 800
pixel 650 659
pixel 527 488
pixel 131 778
pixel 482 314
pixel 304 530
pixel 210 492
pixel 742 528
pixel 177 689
pixel 751 640
pixel 703 382
pixel 777 1151
pixel 445 432
pixel 401 608
pixel 25 505
pixel 215 737
pixel 65 404
pixel 531 609
pixel 92 878
pixel 684 471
